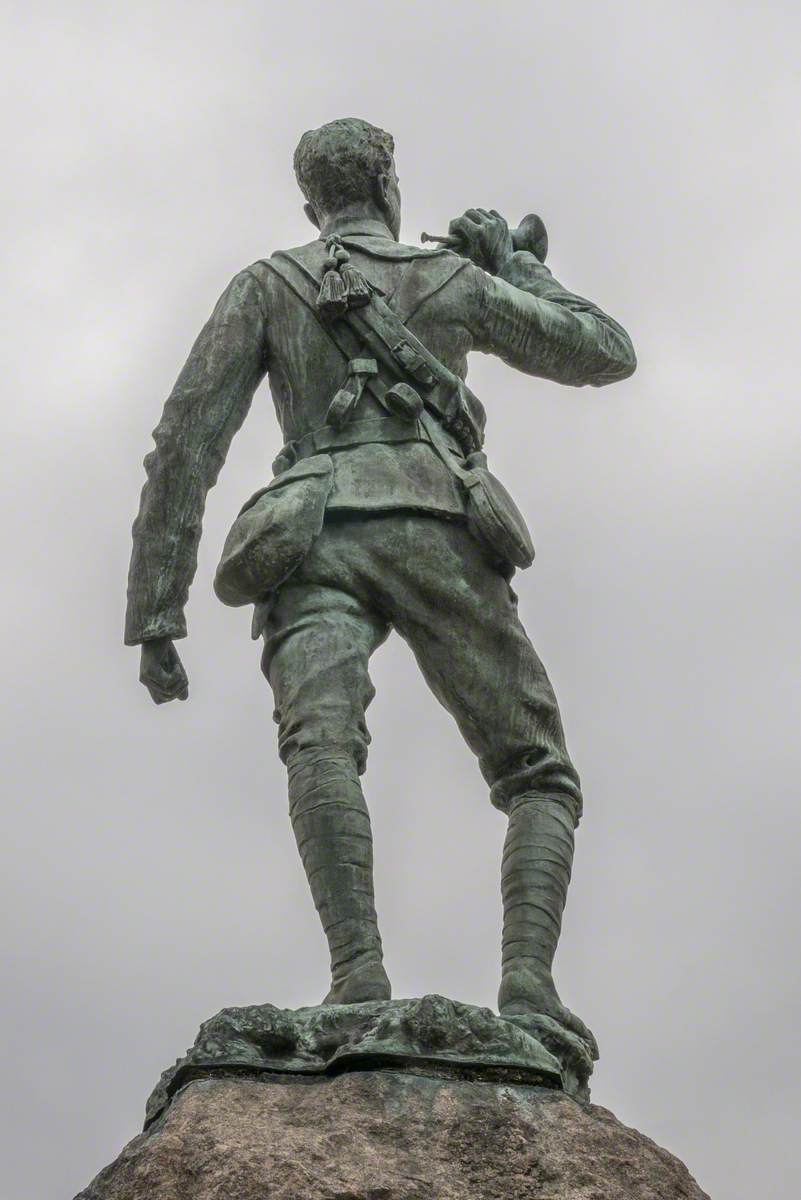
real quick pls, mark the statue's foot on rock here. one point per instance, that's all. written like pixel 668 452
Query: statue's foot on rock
pixel 531 992
pixel 366 981
pixel 431 1035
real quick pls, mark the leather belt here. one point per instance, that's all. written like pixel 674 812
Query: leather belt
pixel 379 429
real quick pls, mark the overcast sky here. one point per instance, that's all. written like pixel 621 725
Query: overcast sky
pixel 150 876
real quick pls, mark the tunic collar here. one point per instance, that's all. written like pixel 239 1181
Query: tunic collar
pixel 366 227
pixel 374 239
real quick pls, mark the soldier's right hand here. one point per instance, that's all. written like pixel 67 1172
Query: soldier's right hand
pixel 162 672
pixel 483 236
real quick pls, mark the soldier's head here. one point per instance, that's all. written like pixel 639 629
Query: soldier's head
pixel 348 167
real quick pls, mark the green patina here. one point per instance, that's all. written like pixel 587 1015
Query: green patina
pixel 433 1036
pixel 383 516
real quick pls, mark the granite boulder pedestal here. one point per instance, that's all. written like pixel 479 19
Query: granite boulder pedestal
pixel 400 1100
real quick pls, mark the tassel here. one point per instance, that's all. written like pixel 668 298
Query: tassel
pixel 332 300
pixel 356 286
pixel 343 287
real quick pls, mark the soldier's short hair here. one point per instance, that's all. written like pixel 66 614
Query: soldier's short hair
pixel 336 164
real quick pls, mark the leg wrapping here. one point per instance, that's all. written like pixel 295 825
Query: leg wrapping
pixel 537 861
pixel 332 829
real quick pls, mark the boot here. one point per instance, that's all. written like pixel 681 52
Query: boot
pixel 332 829
pixel 537 861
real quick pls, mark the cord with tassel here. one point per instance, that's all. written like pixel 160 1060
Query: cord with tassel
pixel 343 286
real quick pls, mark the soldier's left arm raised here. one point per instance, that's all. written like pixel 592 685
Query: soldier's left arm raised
pixel 520 313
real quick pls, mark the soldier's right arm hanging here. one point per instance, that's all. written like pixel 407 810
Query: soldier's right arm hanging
pixel 203 412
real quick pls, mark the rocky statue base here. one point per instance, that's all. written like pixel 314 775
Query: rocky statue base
pixel 403 1100
pixel 387 1135
pixel 433 1035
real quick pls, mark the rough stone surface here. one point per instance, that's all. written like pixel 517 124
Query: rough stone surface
pixel 434 1034
pixel 385 1135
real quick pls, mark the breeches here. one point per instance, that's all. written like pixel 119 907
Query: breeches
pixel 427 578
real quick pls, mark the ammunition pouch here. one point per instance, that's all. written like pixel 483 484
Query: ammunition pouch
pixel 274 532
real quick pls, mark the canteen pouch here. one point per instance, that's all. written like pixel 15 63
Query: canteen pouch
pixel 274 532
pixel 493 517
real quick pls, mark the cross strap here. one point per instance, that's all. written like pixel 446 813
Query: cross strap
pixel 446 395
pixel 378 329
pixel 303 283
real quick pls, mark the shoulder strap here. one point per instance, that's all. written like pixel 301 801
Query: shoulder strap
pixel 441 443
pixel 299 279
pixel 388 340
pixel 445 394
pixel 305 285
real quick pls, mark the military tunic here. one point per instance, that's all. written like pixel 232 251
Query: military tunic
pixel 395 550
pixel 259 326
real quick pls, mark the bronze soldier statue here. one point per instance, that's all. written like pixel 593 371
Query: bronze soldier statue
pixel 382 515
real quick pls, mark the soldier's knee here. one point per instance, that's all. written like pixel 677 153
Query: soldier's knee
pixel 538 777
pixel 307 751
pixel 317 726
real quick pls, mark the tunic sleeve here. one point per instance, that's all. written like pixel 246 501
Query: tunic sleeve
pixel 533 323
pixel 208 404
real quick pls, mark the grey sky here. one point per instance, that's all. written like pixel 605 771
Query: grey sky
pixel 149 875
